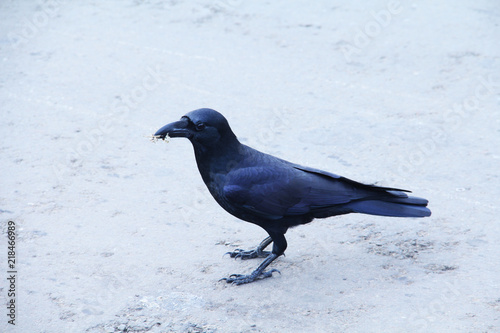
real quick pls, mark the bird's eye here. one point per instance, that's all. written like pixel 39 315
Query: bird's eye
pixel 200 126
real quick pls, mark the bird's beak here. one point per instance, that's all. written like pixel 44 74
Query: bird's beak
pixel 174 130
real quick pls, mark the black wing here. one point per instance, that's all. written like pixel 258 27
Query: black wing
pixel 279 190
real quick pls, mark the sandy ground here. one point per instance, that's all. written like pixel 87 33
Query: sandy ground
pixel 117 234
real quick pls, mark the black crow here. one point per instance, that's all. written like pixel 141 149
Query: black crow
pixel 273 193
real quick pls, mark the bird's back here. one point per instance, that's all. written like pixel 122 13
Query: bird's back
pixel 266 190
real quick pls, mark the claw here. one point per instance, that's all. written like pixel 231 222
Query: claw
pixel 235 253
pixel 257 274
pixel 239 279
pixel 251 254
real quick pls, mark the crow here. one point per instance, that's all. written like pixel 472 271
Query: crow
pixel 273 193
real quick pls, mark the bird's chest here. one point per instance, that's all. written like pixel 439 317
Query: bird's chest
pixel 215 176
pixel 216 182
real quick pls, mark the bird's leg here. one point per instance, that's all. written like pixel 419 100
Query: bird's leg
pixel 279 247
pixel 255 253
pixel 258 274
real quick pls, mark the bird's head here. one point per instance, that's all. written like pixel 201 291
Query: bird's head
pixel 205 128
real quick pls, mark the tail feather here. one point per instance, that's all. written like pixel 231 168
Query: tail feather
pixel 397 207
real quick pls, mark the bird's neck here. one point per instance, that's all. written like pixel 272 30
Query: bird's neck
pixel 217 161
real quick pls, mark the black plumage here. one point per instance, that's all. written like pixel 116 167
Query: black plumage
pixel 273 193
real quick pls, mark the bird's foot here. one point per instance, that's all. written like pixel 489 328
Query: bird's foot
pixel 238 279
pixel 250 254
